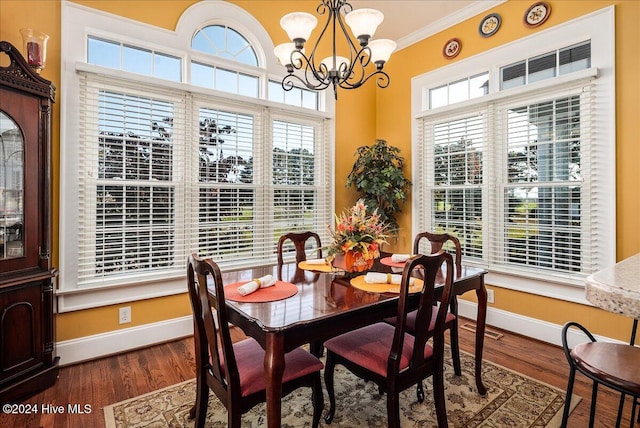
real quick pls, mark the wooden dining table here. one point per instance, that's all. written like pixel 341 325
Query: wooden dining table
pixel 325 306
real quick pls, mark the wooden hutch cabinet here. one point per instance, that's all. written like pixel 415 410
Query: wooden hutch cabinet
pixel 28 363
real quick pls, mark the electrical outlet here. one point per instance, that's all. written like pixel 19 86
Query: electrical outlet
pixel 490 297
pixel 125 314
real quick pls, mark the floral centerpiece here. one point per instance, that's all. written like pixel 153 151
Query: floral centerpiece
pixel 357 238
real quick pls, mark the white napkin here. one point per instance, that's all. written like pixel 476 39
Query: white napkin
pixel 316 262
pixel 384 278
pixel 400 258
pixel 251 286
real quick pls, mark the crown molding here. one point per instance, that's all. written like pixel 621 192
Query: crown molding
pixel 448 22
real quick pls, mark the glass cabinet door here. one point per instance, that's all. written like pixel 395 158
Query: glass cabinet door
pixel 11 189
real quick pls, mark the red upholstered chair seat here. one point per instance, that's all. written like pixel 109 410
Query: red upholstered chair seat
pixel 369 347
pixel 250 361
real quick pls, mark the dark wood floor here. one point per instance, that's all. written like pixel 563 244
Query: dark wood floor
pixel 112 379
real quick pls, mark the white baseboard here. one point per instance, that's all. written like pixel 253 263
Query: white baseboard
pixel 114 342
pixel 526 326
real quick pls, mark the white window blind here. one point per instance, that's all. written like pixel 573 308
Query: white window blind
pixel 163 175
pixel 230 141
pixel 516 179
pixel 129 179
pixel 157 165
pixel 546 144
pixel 262 174
pixel 300 179
pixel 454 157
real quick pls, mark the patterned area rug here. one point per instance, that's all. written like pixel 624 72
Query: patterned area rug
pixel 512 400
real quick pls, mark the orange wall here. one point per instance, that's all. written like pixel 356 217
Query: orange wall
pixel 361 117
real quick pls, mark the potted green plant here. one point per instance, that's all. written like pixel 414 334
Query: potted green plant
pixel 378 175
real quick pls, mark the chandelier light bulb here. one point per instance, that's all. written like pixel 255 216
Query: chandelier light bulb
pixel 363 23
pixel 283 52
pixel 336 63
pixel 298 26
pixel 381 51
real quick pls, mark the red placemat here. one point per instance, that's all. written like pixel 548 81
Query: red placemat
pixel 387 262
pixel 280 290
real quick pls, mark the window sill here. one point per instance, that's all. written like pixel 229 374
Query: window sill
pixel 539 286
pixel 136 288
pixel 93 297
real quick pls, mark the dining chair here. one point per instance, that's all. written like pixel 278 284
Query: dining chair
pixel 611 364
pixel 437 241
pixel 235 371
pixel 391 357
pixel 299 240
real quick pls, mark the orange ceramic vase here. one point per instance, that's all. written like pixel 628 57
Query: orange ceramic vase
pixel 352 261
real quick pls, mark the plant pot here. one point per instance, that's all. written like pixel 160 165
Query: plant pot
pixel 352 261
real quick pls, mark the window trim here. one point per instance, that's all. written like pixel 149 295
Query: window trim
pixel 600 29
pixel 79 22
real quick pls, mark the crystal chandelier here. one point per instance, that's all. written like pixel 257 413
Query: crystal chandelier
pixel 347 71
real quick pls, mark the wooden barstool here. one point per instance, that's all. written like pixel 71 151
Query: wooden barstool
pixel 610 364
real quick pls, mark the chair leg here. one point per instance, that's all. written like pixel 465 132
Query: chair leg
pixel 328 381
pixel 567 398
pixel 420 392
pixel 316 348
pixel 233 419
pixel 317 399
pixel 199 410
pixel 455 348
pixel 620 409
pixel 594 397
pixel 393 409
pixel 439 398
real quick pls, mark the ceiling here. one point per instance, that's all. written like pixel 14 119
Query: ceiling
pixel 409 21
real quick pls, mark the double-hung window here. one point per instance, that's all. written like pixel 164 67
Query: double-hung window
pixel 517 159
pixel 190 150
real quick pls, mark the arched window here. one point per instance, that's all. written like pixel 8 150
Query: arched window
pixel 221 41
pixel 225 42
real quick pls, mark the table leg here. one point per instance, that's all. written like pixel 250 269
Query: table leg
pixel 481 321
pixel 274 368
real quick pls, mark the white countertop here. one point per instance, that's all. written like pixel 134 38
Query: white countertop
pixel 617 289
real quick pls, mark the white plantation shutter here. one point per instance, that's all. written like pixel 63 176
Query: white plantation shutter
pixel 518 180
